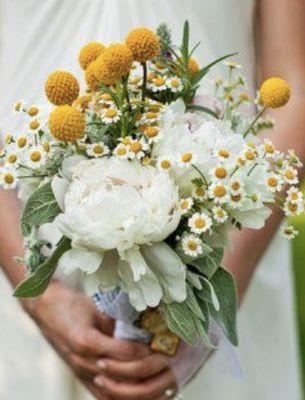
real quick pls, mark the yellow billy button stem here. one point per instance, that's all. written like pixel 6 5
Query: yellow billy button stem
pixel 66 123
pixel 274 93
pixel 61 88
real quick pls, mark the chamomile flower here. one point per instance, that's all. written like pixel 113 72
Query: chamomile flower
pixel 250 154
pixel 192 245
pixel 18 106
pixel 274 182
pixel 219 172
pixel 293 159
pixel 97 150
pixel 8 178
pixel 185 205
pixel 153 134
pixel 158 84
pixel 288 232
pixel 200 222
pixel 121 151
pixel 219 214
pixel 186 159
pixel 219 192
pixel 22 141
pixel 236 200
pixel 200 193
pixel 105 99
pixel 290 175
pixel 294 195
pixel 137 149
pixel 8 137
pixel 233 64
pixel 111 115
pixel 222 154
pixel 256 198
pixel 160 67
pixel 151 117
pixel 269 148
pixel 165 163
pixel 36 157
pixel 12 157
pixel 293 208
pixel 236 186
pixel 174 84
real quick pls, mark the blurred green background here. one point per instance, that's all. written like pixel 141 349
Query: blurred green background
pixel 298 245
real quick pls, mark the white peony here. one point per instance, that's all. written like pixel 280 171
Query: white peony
pixel 118 206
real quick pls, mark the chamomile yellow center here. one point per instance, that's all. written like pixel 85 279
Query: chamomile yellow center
pixel 192 245
pixel 9 178
pixel 35 156
pixel 272 182
pixel 21 142
pixel 220 172
pixel 220 191
pixel 111 113
pixel 292 207
pixel 12 158
pixel 187 157
pixel 136 147
pixel 269 148
pixel 32 111
pixel 98 149
pixel 184 204
pixel 235 185
pixel 289 174
pixel 223 153
pixel 151 132
pixel 122 151
pixel 160 81
pixel 200 223
pixel 151 115
pixel 200 191
pixel 34 125
pixel 165 164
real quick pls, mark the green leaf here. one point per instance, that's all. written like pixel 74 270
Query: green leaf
pixel 207 68
pixel 179 321
pixel 225 288
pixel 192 303
pixel 203 332
pixel 40 208
pixel 25 229
pixel 115 98
pixel 185 42
pixel 37 282
pixel 195 107
pixel 207 265
pixel 193 279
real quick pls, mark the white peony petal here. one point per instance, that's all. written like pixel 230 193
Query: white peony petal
pixel 169 270
pixel 143 293
pixel 59 188
pixel 69 164
pixel 108 273
pixel 86 261
pixel 254 219
pixel 136 261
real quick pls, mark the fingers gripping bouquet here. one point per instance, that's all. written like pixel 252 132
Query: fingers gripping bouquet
pixel 143 179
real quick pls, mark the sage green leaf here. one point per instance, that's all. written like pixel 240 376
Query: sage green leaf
pixel 207 68
pixel 25 229
pixel 185 42
pixel 194 280
pixel 195 107
pixel 41 207
pixel 179 321
pixel 202 331
pixel 225 288
pixel 37 282
pixel 192 303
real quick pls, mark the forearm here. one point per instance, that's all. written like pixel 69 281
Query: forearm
pixel 11 242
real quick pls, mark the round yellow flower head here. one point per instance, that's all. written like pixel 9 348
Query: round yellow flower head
pixel 193 66
pixel 92 82
pixel 89 53
pixel 274 92
pixel 82 102
pixel 143 43
pixel 61 88
pixel 115 62
pixel 66 123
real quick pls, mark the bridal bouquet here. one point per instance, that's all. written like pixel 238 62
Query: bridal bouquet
pixel 143 178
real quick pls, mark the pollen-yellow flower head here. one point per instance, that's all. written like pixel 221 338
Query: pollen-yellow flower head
pixel 274 92
pixel 89 53
pixel 61 88
pixel 193 66
pixel 67 123
pixel 115 62
pixel 92 82
pixel 143 43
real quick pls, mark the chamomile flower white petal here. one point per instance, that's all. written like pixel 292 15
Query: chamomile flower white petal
pixel 289 232
pixel 220 215
pixel 185 205
pixel 200 222
pixel 186 159
pixel 219 192
pixel 294 195
pixel 97 149
pixel 110 115
pixel 35 157
pixel 8 178
pixel 192 245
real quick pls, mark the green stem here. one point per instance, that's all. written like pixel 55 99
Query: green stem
pixel 201 174
pixel 254 121
pixel 144 82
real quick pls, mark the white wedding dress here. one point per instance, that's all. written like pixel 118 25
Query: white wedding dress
pixel 40 36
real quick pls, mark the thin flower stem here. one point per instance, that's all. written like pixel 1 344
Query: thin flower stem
pixel 254 121
pixel 201 174
pixel 144 82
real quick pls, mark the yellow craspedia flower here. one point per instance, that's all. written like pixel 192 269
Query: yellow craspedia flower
pixel 67 123
pixel 193 66
pixel 61 88
pixel 92 82
pixel 274 92
pixel 89 53
pixel 82 102
pixel 143 43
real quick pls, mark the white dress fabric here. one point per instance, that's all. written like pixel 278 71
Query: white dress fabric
pixel 40 36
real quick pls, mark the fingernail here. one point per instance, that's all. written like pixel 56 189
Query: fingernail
pixel 99 381
pixel 101 364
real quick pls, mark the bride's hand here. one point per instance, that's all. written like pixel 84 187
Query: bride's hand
pixel 80 333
